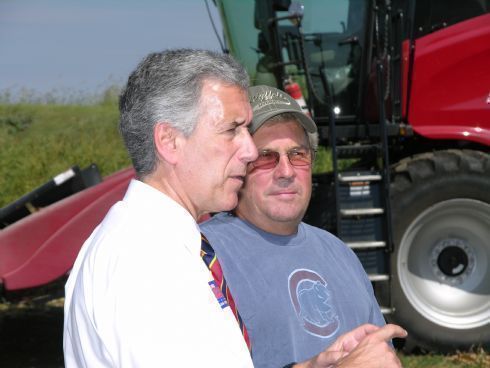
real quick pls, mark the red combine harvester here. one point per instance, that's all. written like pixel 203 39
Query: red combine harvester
pixel 401 93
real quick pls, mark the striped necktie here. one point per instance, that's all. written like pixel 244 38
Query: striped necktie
pixel 221 289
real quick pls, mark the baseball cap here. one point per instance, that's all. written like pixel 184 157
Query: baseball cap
pixel 268 102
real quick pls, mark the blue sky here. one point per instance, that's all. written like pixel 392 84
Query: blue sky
pixel 75 45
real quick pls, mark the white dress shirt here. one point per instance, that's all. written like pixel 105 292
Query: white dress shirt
pixel 138 294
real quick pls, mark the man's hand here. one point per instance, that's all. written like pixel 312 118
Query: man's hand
pixel 365 346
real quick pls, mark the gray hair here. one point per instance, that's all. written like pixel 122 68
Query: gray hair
pixel 287 116
pixel 166 87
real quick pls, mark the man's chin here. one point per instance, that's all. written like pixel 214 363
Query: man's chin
pixel 229 204
pixel 286 215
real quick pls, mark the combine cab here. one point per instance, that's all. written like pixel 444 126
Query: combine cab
pixel 401 93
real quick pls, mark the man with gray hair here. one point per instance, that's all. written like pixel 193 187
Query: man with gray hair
pixel 139 294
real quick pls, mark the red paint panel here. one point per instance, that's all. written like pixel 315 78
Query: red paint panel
pixel 449 97
pixel 43 246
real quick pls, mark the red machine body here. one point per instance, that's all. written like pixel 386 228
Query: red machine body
pixel 449 85
pixel 43 246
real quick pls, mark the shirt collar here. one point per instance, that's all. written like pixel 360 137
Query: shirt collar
pixel 147 198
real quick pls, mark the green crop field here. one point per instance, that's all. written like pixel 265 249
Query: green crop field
pixel 38 141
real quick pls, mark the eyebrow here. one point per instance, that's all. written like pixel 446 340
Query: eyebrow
pixel 246 123
pixel 230 124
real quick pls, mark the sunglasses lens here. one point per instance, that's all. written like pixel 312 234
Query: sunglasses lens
pixel 300 158
pixel 270 159
pixel 266 160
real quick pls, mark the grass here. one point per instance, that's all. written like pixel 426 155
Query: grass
pixel 40 141
pixel 475 359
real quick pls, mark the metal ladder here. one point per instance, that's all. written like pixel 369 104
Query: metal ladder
pixel 363 210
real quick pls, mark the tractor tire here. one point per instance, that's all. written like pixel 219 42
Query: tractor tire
pixel 441 262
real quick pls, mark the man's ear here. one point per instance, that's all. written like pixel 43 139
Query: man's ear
pixel 164 136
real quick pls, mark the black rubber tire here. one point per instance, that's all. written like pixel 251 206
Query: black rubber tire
pixel 436 198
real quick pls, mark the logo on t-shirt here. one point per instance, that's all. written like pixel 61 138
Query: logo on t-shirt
pixel 311 300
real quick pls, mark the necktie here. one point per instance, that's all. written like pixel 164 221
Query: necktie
pixel 224 294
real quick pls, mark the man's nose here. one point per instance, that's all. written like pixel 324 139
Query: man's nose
pixel 249 151
pixel 284 169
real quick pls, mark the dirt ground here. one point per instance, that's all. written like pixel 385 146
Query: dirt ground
pixel 31 332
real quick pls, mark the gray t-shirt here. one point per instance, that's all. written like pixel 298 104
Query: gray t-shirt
pixel 296 294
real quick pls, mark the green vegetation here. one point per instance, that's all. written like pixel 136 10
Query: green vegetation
pixel 40 141
pixel 323 160
pixel 477 359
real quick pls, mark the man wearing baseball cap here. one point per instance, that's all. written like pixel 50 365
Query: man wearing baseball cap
pixel 298 288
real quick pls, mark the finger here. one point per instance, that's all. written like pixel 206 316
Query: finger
pixel 389 332
pixel 362 331
pixel 359 332
pixel 351 339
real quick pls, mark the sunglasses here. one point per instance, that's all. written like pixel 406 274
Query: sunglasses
pixel 298 157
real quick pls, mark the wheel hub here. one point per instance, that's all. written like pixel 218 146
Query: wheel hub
pixel 452 260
